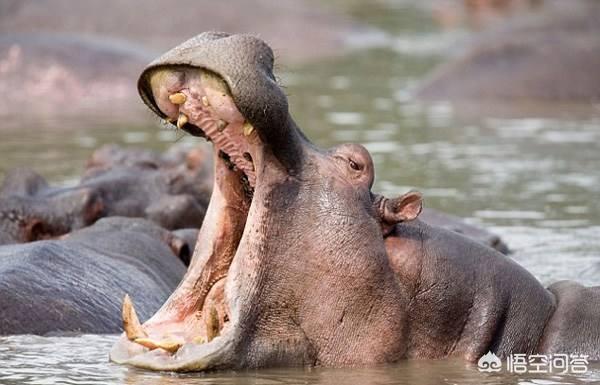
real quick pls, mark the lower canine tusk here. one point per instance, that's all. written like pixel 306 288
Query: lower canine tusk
pixel 182 120
pixel 170 346
pixel 131 323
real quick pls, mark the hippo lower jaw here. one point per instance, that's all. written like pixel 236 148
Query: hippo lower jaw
pixel 190 356
pixel 196 329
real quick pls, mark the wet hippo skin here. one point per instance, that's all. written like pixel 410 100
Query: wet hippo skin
pixel 170 189
pixel 77 284
pixel 302 263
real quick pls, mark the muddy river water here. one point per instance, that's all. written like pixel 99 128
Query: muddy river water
pixel 535 180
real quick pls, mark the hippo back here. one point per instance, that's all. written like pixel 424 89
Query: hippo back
pixel 78 284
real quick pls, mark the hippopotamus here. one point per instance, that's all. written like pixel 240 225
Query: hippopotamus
pixel 551 57
pixel 458 225
pixel 171 189
pixel 300 263
pixel 49 71
pixel 304 29
pixel 75 284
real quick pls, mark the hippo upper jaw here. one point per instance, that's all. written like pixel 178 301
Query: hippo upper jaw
pixel 240 64
pixel 198 328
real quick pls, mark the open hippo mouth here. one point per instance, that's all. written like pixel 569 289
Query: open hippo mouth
pixel 239 110
pixel 290 265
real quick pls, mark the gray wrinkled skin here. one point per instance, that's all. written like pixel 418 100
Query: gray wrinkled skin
pixel 325 272
pixel 170 189
pixel 453 223
pixel 77 284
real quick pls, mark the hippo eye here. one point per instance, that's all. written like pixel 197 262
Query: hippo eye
pixel 354 165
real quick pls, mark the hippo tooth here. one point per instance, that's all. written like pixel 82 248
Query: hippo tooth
pixel 221 124
pixel 169 345
pixel 182 120
pixel 205 101
pixel 198 340
pixel 212 324
pixel 170 121
pixel 248 129
pixel 131 323
pixel 146 342
pixel 177 98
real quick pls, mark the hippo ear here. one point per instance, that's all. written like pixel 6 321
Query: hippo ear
pixel 404 208
pixel 33 230
pixel 181 249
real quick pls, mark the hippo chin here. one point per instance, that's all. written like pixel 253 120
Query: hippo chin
pixel 300 263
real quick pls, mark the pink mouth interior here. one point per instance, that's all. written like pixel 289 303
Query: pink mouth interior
pixel 199 304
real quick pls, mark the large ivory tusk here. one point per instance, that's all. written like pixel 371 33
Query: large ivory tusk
pixel 169 345
pixel 131 323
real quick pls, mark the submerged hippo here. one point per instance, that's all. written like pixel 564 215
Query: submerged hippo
pixel 301 264
pixel 171 190
pixel 553 56
pixel 76 284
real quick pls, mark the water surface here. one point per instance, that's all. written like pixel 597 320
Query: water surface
pixel 83 360
pixel 534 180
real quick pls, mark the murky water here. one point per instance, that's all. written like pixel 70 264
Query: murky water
pixel 536 181
pixel 83 360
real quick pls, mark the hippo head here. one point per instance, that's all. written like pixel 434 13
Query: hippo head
pixel 291 266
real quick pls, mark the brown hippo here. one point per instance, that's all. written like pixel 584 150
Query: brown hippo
pixel 301 264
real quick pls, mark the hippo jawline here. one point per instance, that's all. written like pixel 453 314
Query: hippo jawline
pixel 197 327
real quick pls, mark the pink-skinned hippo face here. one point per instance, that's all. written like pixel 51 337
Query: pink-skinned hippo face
pixel 293 268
